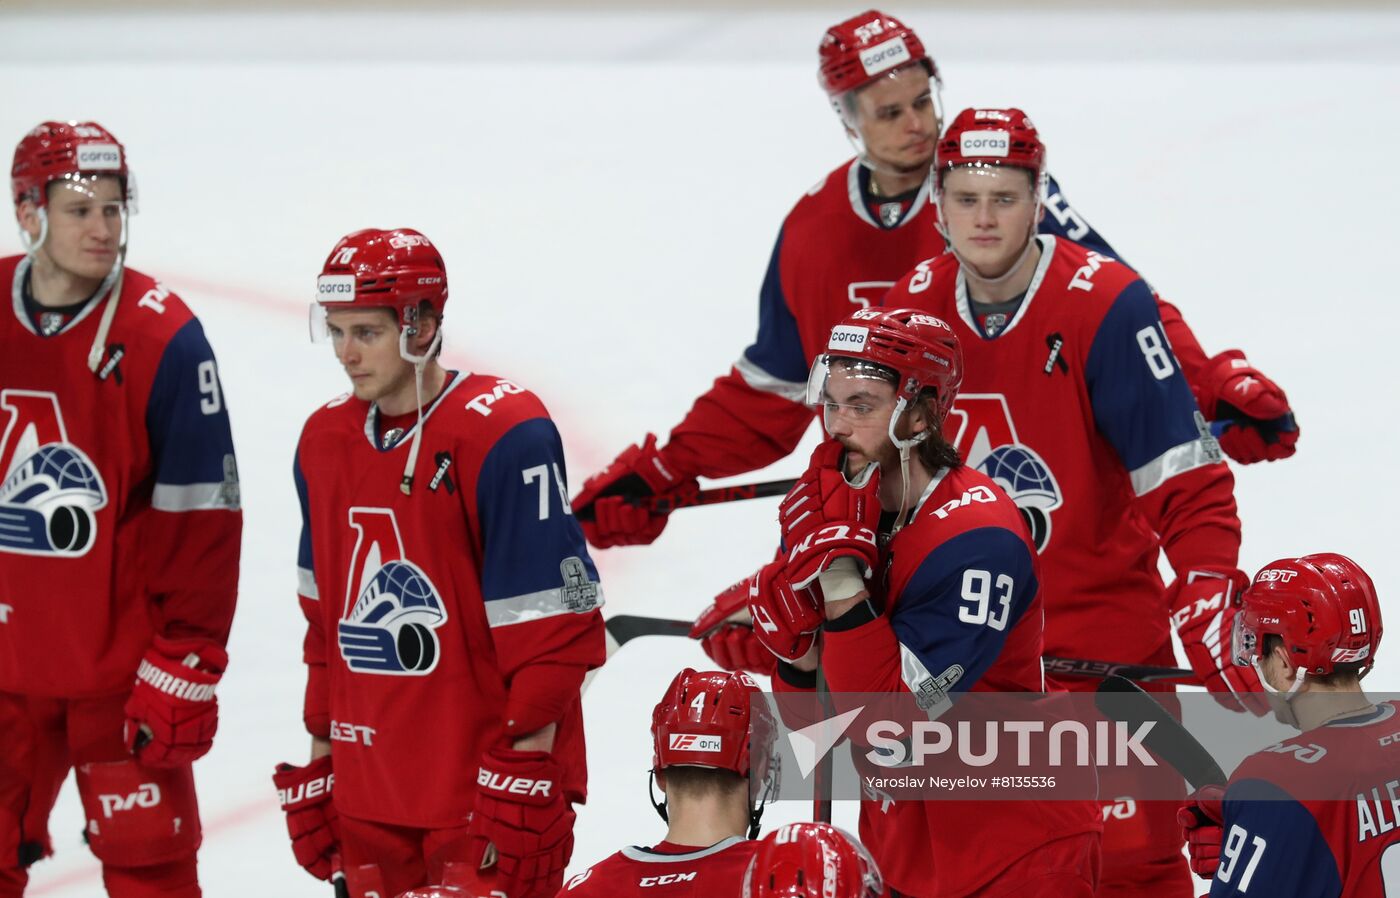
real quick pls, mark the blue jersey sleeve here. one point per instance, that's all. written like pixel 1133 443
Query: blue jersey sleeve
pixel 775 362
pixel 187 419
pixel 535 563
pixel 1062 220
pixel 306 568
pixel 1272 845
pixel 1142 403
pixel 953 616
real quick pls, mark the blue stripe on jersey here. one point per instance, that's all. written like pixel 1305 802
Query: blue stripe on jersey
pixel 1062 220
pixel 1140 397
pixel 778 348
pixel 306 577
pixel 941 620
pixel 1272 846
pixel 187 419
pixel 535 562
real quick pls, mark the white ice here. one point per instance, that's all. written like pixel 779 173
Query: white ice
pixel 606 188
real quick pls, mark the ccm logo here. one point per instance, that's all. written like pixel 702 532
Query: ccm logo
pixel 147 796
pixel 1392 739
pixel 514 785
pixel 695 742
pixel 985 143
pixel 665 880
pixel 99 157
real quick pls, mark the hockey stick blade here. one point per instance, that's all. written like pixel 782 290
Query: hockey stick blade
pixel 626 627
pixel 1142 673
pixel 1123 700
pixel 713 496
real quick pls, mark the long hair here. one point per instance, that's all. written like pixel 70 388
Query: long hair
pixel 935 451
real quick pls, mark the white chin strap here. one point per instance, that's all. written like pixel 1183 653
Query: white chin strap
pixel 1298 679
pixel 419 363
pixel 904 447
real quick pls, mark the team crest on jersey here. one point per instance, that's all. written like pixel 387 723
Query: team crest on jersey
pixel 391 607
pixel 980 426
pixel 51 490
pixel 891 213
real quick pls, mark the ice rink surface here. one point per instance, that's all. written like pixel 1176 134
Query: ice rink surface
pixel 606 189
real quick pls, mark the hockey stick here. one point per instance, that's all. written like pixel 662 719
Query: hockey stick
pixel 713 496
pixel 821 779
pixel 1121 699
pixel 623 628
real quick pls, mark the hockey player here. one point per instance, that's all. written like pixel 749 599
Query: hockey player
pixel 1318 815
pixel 1077 407
pixel 713 759
pixel 840 248
pixel 451 605
pixel 812 860
pixel 921 577
pixel 119 494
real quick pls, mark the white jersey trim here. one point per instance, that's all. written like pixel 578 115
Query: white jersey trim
pixel 373 415
pixel 1176 460
pixel 858 201
pixel 534 606
pixel 637 853
pixel 17 296
pixel 764 382
pixel 195 497
pixel 306 584
pixel 1047 253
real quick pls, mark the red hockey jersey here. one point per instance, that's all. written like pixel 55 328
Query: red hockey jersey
pixel 839 250
pixel 1276 844
pixel 667 871
pixel 119 501
pixel 1078 409
pixel 961 612
pixel 435 618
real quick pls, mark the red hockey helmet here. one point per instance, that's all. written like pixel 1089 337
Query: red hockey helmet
pixel 68 151
pixel 866 47
pixel 811 860
pixel 991 137
pixel 374 268
pixel 911 349
pixel 707 719
pixel 1323 607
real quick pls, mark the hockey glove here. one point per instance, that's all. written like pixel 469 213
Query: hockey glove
pixel 725 631
pixel 825 517
pixel 1204 605
pixel 1260 423
pixel 522 811
pixel 172 713
pixel 608 519
pixel 785 621
pixel 312 822
pixel 1202 823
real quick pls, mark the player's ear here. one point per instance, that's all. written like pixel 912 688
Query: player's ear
pixel 27 214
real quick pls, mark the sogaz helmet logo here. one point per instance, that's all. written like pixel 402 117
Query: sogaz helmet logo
pixel 985 143
pixel 883 57
pixel 846 336
pixel 99 157
pixel 335 288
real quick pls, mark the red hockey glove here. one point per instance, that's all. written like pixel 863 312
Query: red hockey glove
pixel 784 621
pixel 825 517
pixel 725 631
pixel 172 713
pixel 1202 819
pixel 1204 605
pixel 521 810
pixel 1260 423
pixel 312 822
pixel 602 508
